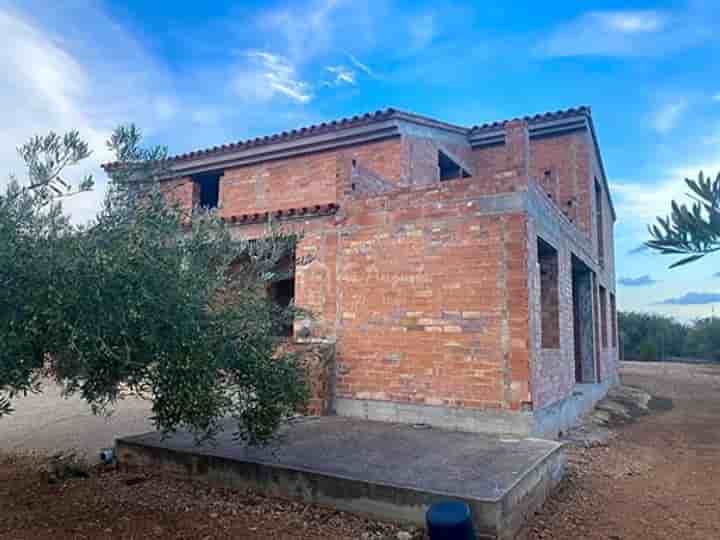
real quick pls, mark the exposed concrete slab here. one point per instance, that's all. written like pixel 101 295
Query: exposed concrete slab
pixel 390 471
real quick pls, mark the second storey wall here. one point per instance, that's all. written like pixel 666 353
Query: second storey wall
pixel 307 180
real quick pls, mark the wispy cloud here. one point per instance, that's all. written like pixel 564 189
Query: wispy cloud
pixel 630 22
pixel 604 33
pixel 645 200
pixel 342 75
pixel 301 30
pixel 668 115
pixel 55 83
pixel 270 75
pixel 692 299
pixel 642 281
pixel 364 67
pixel 632 33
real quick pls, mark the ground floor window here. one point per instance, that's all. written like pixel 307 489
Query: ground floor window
pixel 613 321
pixel 603 316
pixel 282 291
pixel 549 295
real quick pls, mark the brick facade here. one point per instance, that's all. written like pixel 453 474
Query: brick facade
pixel 433 293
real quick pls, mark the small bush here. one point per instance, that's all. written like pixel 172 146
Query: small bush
pixel 648 352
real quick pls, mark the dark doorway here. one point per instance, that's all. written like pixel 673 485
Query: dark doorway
pixel 583 329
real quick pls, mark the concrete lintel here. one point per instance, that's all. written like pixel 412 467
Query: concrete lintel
pixel 499 204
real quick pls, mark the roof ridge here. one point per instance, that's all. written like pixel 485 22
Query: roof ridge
pixel 535 118
pixel 353 121
pixel 313 129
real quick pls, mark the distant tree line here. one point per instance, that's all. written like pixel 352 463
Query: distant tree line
pixel 651 337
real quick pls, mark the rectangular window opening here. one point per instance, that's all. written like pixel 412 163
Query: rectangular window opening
pixel 613 314
pixel 599 223
pixel 282 292
pixel 603 316
pixel 449 170
pixel 549 295
pixel 208 189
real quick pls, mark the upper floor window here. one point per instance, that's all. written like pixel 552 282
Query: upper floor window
pixel 599 223
pixel 208 189
pixel 449 170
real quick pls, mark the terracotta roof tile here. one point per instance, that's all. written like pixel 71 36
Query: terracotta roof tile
pixel 534 119
pixel 344 123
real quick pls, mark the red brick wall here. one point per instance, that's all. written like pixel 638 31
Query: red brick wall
pixel 181 190
pixel 425 288
pixel 430 299
pixel 566 157
pixel 307 180
pixel 442 320
pixel 504 168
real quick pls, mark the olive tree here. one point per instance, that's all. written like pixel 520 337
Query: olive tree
pixel 690 231
pixel 150 298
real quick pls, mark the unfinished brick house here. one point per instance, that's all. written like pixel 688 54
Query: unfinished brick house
pixel 464 277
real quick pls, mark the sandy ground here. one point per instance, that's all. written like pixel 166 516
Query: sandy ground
pixel 656 478
pixel 51 423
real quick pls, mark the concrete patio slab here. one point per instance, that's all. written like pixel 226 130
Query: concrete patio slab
pixel 386 470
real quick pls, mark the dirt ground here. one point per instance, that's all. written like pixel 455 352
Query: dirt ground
pixel 52 423
pixel 657 477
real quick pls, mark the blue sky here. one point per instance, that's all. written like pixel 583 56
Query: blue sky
pixel 196 74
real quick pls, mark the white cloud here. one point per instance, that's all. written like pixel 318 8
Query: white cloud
pixel 271 75
pixel 302 31
pixel 668 115
pixel 343 75
pixel 366 69
pixel 643 201
pixel 62 83
pixel 716 97
pixel 631 22
pixel 613 33
pixel 43 88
